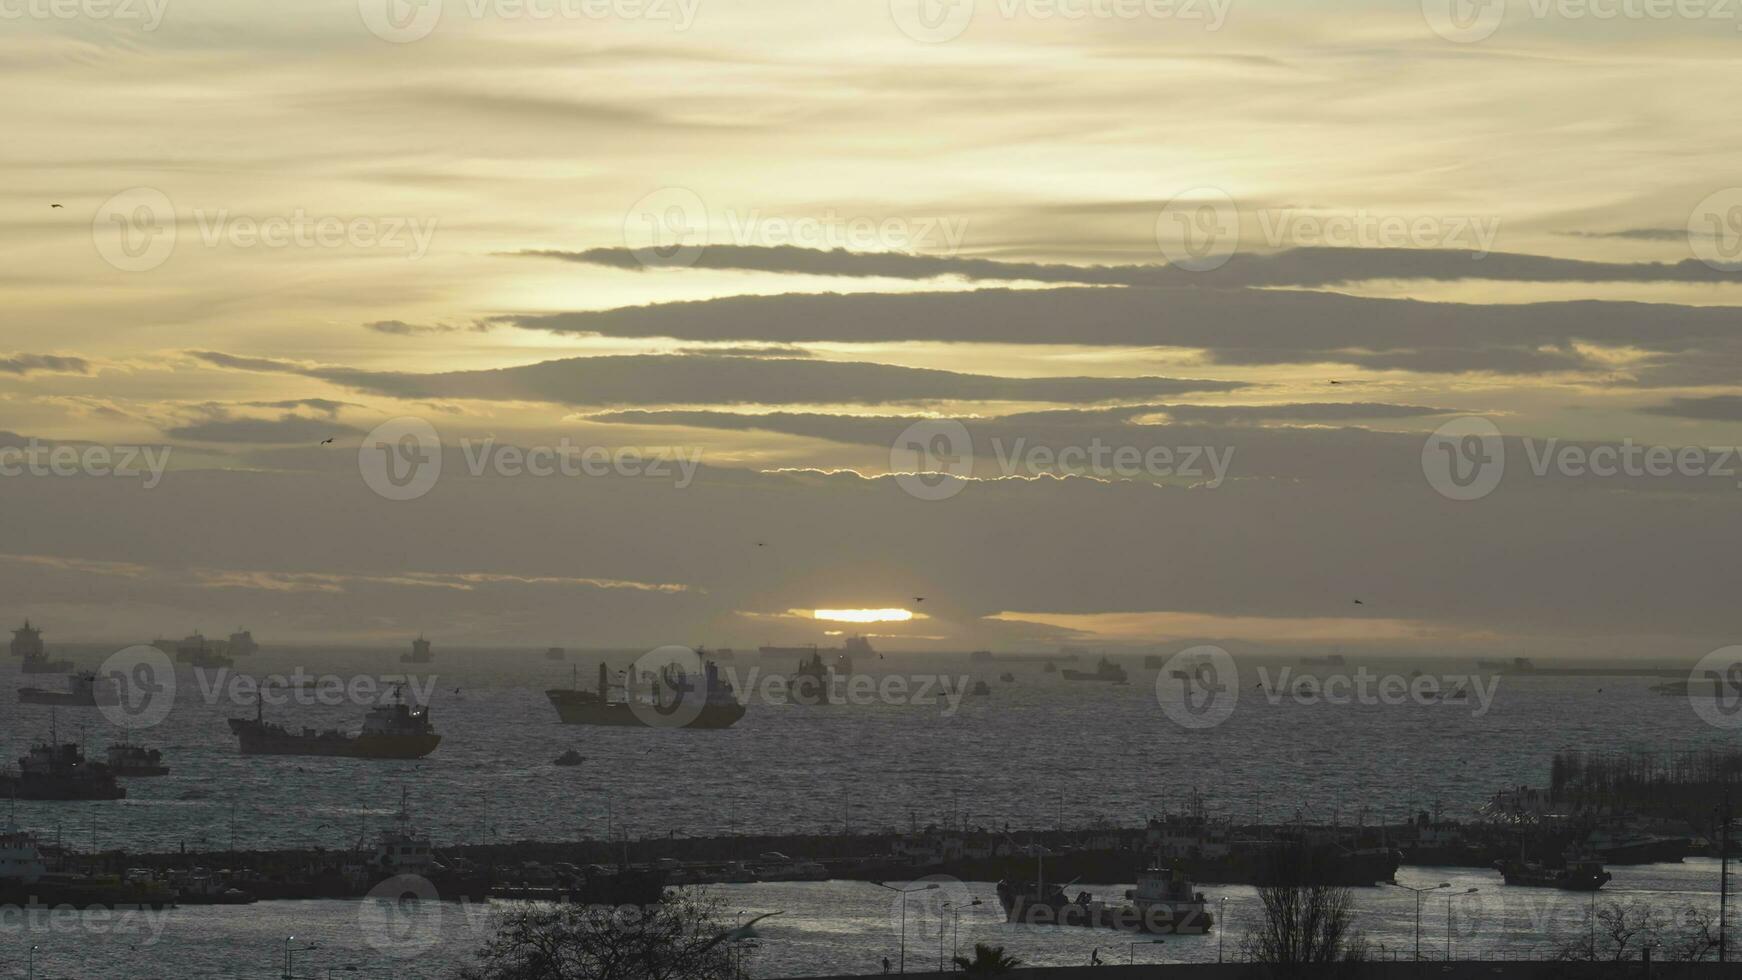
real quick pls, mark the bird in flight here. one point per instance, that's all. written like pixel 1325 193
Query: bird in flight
pixel 1358 602
pixel 54 205
pixel 919 598
pixel 327 440
pixel 1336 382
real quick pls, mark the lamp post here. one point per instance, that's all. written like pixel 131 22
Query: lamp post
pixel 1221 924
pixel 1467 891
pixel 1131 953
pixel 30 970
pixel 904 892
pixel 290 954
pixel 955 910
pixel 1419 892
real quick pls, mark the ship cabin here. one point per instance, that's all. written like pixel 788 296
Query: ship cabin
pixel 27 641
pixel 20 859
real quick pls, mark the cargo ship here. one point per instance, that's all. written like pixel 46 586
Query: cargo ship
pixel 241 643
pixel 1106 671
pixel 1577 875
pixel 420 652
pixel 195 650
pixel 854 646
pixel 718 705
pixel 556 653
pixel 390 731
pixel 27 641
pixel 56 771
pixel 1163 902
pixel 44 665
pixel 84 690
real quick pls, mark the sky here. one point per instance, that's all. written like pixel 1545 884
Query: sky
pixel 1118 324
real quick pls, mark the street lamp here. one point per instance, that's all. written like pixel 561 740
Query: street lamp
pixel 1221 924
pixel 1419 892
pixel 955 910
pixel 31 969
pixel 289 955
pixel 1467 891
pixel 904 892
pixel 1131 953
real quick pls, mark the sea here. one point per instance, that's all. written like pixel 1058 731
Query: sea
pixel 908 747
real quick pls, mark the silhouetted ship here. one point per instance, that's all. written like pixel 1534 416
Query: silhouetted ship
pixel 1578 875
pixel 556 653
pixel 390 731
pixel 1331 660
pixel 129 760
pixel 1106 671
pixel 194 649
pixel 1163 902
pixel 84 690
pixel 674 698
pixel 420 652
pixel 56 771
pixel 45 665
pixel 854 646
pixel 810 683
pixel 27 641
pixel 241 644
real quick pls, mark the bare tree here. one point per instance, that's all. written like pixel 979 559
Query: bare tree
pixel 1625 931
pixel 679 938
pixel 1307 928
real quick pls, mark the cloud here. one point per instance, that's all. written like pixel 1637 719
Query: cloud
pixel 1236 326
pixel 23 364
pixel 672 380
pixel 401 328
pixel 284 430
pixel 1296 267
pixel 1716 408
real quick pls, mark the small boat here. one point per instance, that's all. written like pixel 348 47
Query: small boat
pixel 1163 902
pixel 128 759
pixel 569 758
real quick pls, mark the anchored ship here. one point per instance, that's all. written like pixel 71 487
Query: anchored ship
pixel 1106 671
pixel 674 696
pixel 1578 875
pixel 56 771
pixel 242 643
pixel 556 653
pixel 129 759
pixel 853 646
pixel 390 731
pixel 196 650
pixel 420 653
pixel 810 683
pixel 27 641
pixel 83 691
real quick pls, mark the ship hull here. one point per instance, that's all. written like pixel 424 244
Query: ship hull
pixel 13 787
pixel 619 714
pixel 63 699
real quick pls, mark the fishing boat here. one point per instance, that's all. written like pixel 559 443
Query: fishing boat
pixel 129 759
pixel 1163 902
pixel 676 698
pixel 390 731
pixel 1577 875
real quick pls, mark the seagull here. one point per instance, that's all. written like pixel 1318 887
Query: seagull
pixel 761 544
pixel 919 598
pixel 328 440
pixel 1358 602
pixel 1336 382
pixel 54 205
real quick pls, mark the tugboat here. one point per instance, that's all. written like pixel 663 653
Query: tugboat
pixel 720 707
pixel 1579 874
pixel 810 684
pixel 569 758
pixel 83 691
pixel 1163 902
pixel 1106 671
pixel 128 759
pixel 390 731
pixel 56 771
pixel 419 654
